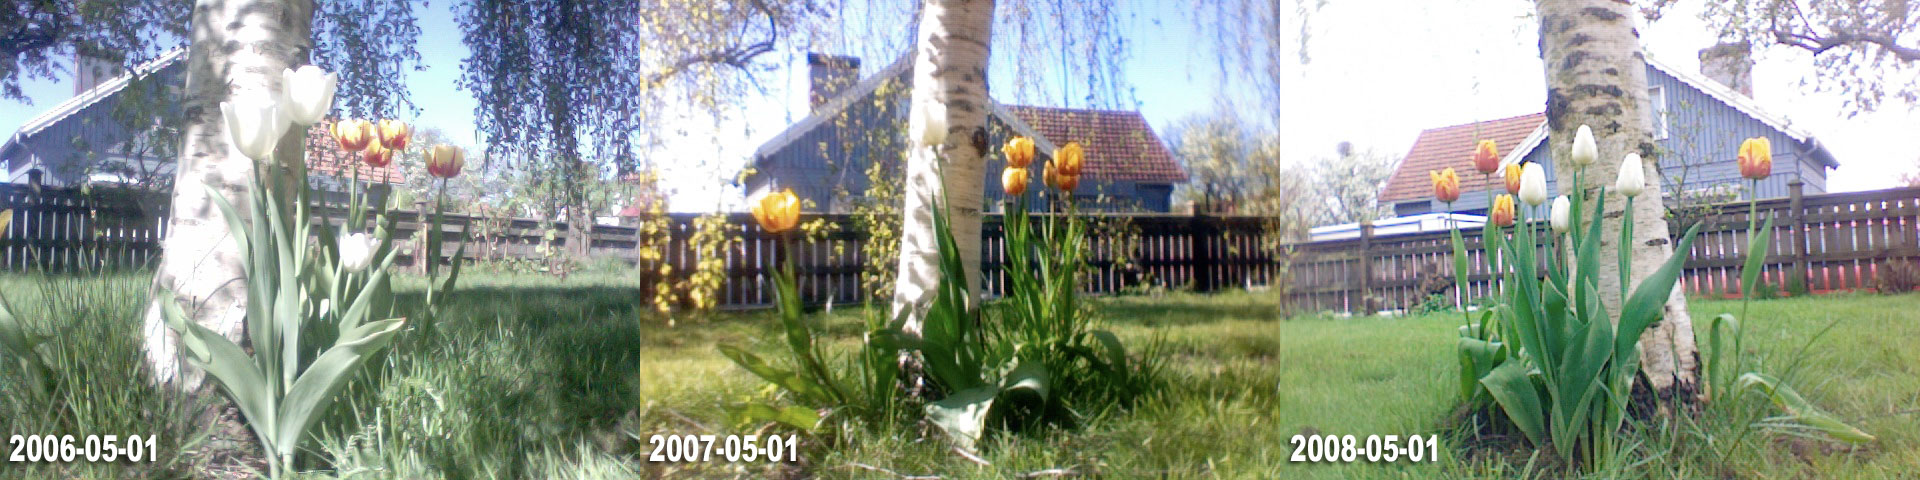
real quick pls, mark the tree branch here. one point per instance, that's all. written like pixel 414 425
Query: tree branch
pixel 736 57
pixel 1819 45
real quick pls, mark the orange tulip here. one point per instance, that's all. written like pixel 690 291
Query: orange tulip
pixel 1014 181
pixel 444 161
pixel 1019 152
pixel 1486 157
pixel 777 212
pixel 1513 179
pixel 1446 185
pixel 1756 158
pixel 353 135
pixel 1502 212
pixel 377 155
pixel 1071 158
pixel 393 134
pixel 1069 182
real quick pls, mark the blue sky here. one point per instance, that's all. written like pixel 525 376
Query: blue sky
pixel 1171 72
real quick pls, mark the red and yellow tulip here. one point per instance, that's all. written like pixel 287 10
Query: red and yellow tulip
pixel 445 161
pixel 1446 185
pixel 1756 158
pixel 1502 212
pixel 777 212
pixel 1486 157
pixel 1019 152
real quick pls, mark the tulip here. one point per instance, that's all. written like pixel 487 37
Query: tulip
pixel 1633 177
pixel 1486 157
pixel 254 127
pixel 1050 176
pixel 1584 150
pixel 1019 152
pixel 356 252
pixel 1071 158
pixel 1513 178
pixel 445 161
pixel 1533 184
pixel 1069 182
pixel 353 134
pixel 1756 158
pixel 377 155
pixel 1561 214
pixel 1014 181
pixel 393 134
pixel 777 212
pixel 928 122
pixel 1502 212
pixel 1446 185
pixel 307 94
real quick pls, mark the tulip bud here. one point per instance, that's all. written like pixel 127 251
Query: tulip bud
pixel 1633 177
pixel 377 155
pixel 445 161
pixel 1486 157
pixel 254 127
pixel 1019 152
pixel 1561 214
pixel 1533 184
pixel 1014 181
pixel 307 94
pixel 394 134
pixel 1513 178
pixel 928 122
pixel 356 252
pixel 1446 185
pixel 777 211
pixel 353 134
pixel 1756 158
pixel 1071 159
pixel 1501 214
pixel 1584 151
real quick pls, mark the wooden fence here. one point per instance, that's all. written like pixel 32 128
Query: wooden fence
pixel 1826 242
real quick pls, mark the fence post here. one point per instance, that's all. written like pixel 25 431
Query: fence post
pixel 1202 228
pixel 1364 277
pixel 1797 281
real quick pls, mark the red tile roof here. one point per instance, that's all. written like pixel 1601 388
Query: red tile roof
pixel 1443 147
pixel 324 157
pixel 1120 145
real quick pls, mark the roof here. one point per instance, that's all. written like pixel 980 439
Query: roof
pixel 1120 145
pixel 1452 146
pixel 77 103
pixel 324 157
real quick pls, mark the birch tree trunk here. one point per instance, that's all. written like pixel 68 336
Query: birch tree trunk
pixel 238 52
pixel 1596 76
pixel 951 69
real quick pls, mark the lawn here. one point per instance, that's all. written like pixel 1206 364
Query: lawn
pixel 531 376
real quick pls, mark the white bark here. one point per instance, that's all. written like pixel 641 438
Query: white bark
pixel 239 50
pixel 950 68
pixel 1596 75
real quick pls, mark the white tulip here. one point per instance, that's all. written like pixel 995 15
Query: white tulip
pixel 1561 214
pixel 1633 179
pixel 254 127
pixel 356 252
pixel 1533 184
pixel 1584 150
pixel 307 94
pixel 929 122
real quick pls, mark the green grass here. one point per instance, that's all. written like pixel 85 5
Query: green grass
pixel 534 377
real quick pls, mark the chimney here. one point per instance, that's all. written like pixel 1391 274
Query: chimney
pixel 90 71
pixel 1731 64
pixel 829 75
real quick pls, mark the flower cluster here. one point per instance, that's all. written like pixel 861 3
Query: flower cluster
pixel 1063 171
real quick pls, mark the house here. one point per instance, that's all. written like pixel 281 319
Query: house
pixel 1699 122
pixel 824 157
pixel 91 138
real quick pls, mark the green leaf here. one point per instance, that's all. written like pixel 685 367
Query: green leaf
pixel 1649 299
pixel 229 364
pixel 320 384
pixel 1116 354
pixel 963 415
pixel 786 379
pixel 1757 242
pixel 1799 410
pixel 1717 371
pixel 1517 396
pixel 799 418
pixel 1460 271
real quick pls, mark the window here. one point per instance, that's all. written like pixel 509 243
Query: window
pixel 1658 97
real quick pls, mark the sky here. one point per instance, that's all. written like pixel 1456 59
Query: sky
pixel 1377 77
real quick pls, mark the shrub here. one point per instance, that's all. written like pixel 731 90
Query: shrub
pixel 1895 276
